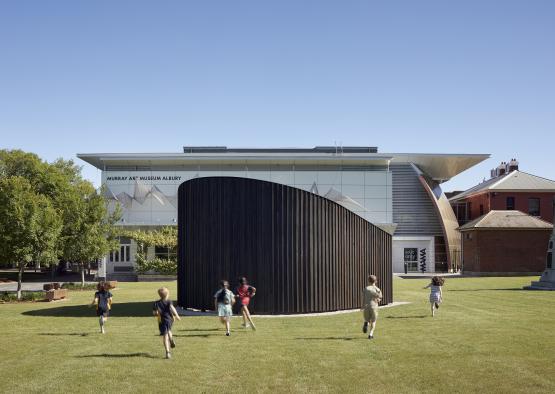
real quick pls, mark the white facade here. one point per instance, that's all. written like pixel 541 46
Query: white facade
pixel 149 197
pixel 145 186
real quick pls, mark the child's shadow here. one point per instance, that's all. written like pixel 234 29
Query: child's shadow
pixel 121 355
pixel 200 329
pixel 407 317
pixel 195 335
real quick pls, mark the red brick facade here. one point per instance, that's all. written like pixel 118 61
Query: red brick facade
pixel 482 203
pixel 505 250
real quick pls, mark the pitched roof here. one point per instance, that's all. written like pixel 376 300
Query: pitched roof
pixel 506 220
pixel 513 181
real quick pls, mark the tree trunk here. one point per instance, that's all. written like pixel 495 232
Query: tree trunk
pixel 20 280
pixel 82 268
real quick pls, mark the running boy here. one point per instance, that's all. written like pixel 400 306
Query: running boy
pixel 372 296
pixel 223 301
pixel 245 293
pixel 166 314
pixel 103 302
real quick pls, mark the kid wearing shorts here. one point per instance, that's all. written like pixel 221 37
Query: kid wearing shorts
pixel 166 314
pixel 223 301
pixel 372 295
pixel 103 301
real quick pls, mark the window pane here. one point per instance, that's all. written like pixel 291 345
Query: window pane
pixel 111 257
pixel 534 206
pixel 116 256
pixel 510 203
pixel 127 252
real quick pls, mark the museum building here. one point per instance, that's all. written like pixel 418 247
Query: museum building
pixel 399 193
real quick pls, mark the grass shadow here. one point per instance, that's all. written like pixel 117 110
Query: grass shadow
pixel 120 355
pixel 197 335
pixel 200 329
pixel 60 334
pixel 407 317
pixel 124 309
pixel 330 338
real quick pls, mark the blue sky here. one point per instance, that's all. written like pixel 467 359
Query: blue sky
pixel 406 76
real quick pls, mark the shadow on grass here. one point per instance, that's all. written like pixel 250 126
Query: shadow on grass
pixel 197 335
pixel 509 288
pixel 121 355
pixel 330 338
pixel 61 334
pixel 200 329
pixel 407 317
pixel 124 309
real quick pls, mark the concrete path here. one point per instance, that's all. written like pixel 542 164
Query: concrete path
pixel 191 312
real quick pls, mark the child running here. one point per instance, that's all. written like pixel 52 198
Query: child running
pixel 103 302
pixel 245 292
pixel 372 297
pixel 166 314
pixel 436 295
pixel 223 301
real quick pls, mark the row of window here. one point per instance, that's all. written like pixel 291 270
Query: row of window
pixel 123 254
pixel 533 205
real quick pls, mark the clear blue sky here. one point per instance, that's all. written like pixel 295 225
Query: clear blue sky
pixel 420 76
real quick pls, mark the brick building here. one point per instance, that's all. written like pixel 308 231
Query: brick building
pixel 505 242
pixel 507 189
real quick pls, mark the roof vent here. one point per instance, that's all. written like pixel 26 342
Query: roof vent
pixel 512 166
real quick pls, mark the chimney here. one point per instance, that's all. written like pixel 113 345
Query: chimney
pixel 501 169
pixel 513 165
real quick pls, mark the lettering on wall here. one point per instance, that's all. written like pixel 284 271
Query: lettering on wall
pixel 143 178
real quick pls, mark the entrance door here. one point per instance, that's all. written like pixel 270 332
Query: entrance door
pixel 411 259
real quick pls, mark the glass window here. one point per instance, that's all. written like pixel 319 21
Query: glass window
pixel 165 253
pixel 510 203
pixel 481 209
pixel 534 206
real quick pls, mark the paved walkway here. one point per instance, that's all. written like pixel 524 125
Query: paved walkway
pixel 191 312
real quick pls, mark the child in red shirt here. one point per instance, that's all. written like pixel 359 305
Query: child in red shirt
pixel 245 292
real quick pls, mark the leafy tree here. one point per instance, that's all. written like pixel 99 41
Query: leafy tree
pixel 88 232
pixel 29 225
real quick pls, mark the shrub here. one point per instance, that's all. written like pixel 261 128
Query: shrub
pixel 160 266
pixel 77 286
pixel 26 296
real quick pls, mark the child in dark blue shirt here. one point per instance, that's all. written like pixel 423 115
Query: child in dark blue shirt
pixel 103 302
pixel 166 314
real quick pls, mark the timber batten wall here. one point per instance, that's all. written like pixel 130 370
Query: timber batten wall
pixel 302 252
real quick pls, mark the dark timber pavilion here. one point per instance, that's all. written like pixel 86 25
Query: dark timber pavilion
pixel 303 252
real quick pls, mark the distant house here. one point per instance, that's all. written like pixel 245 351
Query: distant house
pixel 505 242
pixel 508 189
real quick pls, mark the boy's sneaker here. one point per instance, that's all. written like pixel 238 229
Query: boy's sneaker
pixel 370 336
pixel 172 343
pixel 168 355
pixel 365 327
pixel 227 334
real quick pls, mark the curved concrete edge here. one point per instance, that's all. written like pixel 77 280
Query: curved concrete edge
pixel 194 312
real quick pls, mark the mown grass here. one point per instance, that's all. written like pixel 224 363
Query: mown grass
pixel 489 336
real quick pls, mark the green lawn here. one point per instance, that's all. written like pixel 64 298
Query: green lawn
pixel 489 336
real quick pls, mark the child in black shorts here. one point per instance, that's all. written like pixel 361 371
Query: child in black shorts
pixel 165 312
pixel 103 302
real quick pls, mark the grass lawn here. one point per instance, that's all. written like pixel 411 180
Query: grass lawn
pixel 489 336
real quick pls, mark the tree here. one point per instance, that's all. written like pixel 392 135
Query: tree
pixel 29 225
pixel 69 204
pixel 88 232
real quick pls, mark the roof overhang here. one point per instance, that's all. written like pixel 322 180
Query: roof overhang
pixel 440 167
